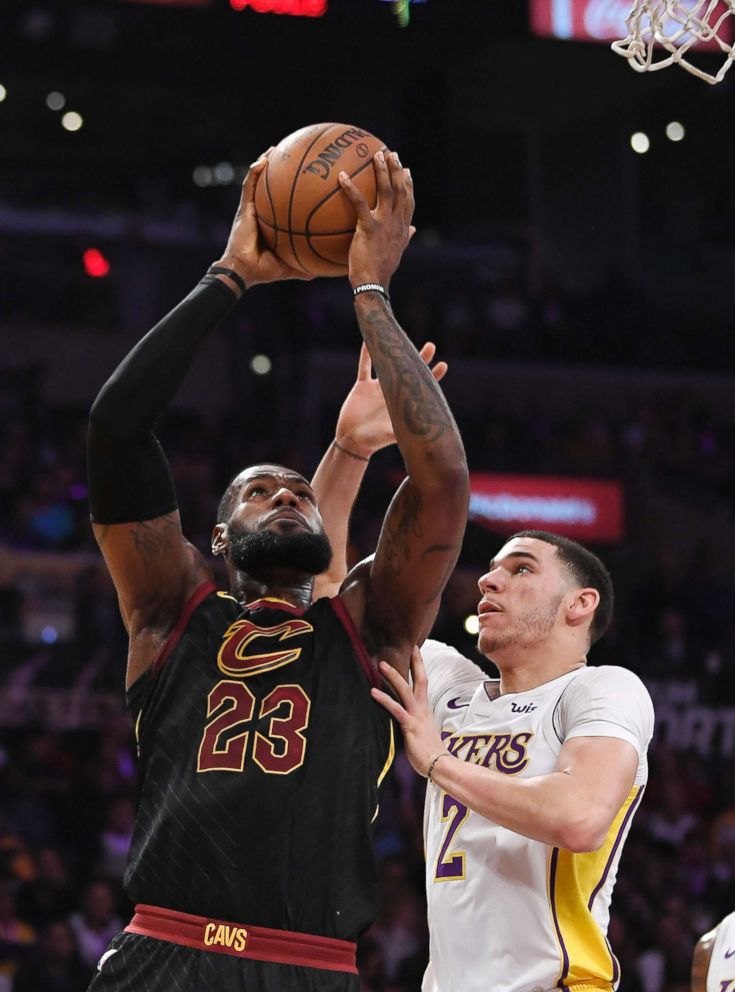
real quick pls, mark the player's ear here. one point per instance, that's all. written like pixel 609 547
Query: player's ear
pixel 583 606
pixel 219 539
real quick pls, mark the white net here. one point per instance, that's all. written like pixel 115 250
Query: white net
pixel 662 32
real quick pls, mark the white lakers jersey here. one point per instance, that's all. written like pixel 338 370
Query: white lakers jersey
pixel 506 913
pixel 721 971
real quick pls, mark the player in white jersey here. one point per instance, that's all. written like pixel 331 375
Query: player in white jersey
pixel 524 832
pixel 713 968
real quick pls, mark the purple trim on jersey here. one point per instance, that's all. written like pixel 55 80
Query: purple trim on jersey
pixel 552 894
pixel 363 657
pixel 198 596
pixel 616 965
pixel 626 819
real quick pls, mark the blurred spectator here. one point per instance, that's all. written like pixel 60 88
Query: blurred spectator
pixel 97 923
pixel 50 895
pixel 55 965
pixel 16 937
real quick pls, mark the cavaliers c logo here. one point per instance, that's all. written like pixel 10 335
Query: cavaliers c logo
pixel 242 652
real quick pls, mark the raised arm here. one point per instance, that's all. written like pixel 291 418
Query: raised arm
pixel 133 503
pixel 363 427
pixel 422 532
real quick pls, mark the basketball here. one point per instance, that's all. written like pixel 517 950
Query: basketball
pixel 303 215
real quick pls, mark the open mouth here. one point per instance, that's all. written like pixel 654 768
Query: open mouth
pixel 487 607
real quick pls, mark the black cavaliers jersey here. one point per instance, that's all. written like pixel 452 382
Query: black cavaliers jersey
pixel 260 755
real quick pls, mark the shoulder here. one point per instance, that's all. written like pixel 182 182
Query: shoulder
pixel 437 654
pixel 611 682
pixel 606 700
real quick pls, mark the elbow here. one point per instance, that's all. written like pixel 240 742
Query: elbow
pixel 450 476
pixel 581 836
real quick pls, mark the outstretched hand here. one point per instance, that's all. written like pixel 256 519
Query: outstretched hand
pixel 245 252
pixel 382 235
pixel 364 425
pixel 411 710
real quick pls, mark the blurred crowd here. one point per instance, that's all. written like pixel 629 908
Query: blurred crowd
pixel 68 791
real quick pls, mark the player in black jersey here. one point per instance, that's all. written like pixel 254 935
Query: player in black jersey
pixel 261 750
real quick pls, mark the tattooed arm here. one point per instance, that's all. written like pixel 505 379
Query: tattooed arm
pixel 422 532
pixel 133 503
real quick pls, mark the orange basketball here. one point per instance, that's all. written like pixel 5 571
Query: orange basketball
pixel 303 215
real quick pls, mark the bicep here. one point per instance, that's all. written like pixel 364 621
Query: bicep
pixel 154 569
pixel 604 771
pixel 417 550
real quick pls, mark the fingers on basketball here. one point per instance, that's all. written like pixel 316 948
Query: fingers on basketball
pixel 383 182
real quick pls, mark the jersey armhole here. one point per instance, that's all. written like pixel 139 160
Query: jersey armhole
pixel 366 662
pixel 199 594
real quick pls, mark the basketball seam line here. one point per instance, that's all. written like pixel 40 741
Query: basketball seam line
pixel 273 210
pixel 297 173
pixel 306 234
pixel 324 200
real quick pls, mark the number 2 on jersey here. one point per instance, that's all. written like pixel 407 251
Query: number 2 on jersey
pixel 451 865
pixel 231 704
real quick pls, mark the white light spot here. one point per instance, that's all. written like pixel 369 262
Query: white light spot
pixel 224 173
pixel 3 92
pixel 55 100
pixel 472 624
pixel 261 364
pixel 202 175
pixel 639 142
pixel 675 131
pixel 49 635
pixel 72 121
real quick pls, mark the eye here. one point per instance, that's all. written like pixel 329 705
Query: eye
pixel 305 494
pixel 257 491
pixel 523 568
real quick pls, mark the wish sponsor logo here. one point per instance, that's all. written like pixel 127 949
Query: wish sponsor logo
pixel 523 707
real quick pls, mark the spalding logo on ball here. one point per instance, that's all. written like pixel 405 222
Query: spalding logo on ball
pixel 303 215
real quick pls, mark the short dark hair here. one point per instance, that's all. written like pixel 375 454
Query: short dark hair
pixel 587 569
pixel 229 499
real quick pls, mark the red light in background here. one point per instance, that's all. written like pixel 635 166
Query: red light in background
pixel 95 263
pixel 297 8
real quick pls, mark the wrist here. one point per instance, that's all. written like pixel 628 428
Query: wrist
pixel 369 297
pixel 432 763
pixel 239 268
pixel 351 448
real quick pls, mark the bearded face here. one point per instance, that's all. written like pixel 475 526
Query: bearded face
pixel 259 553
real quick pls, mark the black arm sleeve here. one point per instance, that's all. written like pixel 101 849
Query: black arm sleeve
pixel 129 477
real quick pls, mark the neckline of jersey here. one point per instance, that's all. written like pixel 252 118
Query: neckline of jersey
pixel 264 601
pixel 535 688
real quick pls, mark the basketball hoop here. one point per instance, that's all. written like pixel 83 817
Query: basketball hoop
pixel 676 26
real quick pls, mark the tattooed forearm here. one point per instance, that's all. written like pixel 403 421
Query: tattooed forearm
pixel 411 393
pixel 402 525
pixel 153 539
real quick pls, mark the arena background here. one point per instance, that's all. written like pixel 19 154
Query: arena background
pixel 581 292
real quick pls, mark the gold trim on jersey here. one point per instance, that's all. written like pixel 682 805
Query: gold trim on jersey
pixel 386 766
pixel 586 959
pixel 391 755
